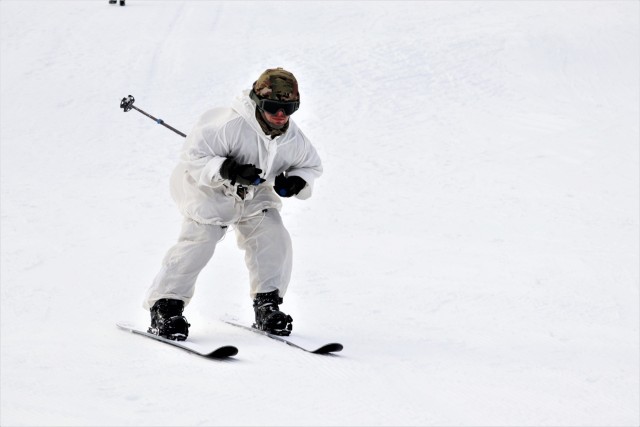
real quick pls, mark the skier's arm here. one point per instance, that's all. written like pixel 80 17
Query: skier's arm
pixel 204 153
pixel 308 166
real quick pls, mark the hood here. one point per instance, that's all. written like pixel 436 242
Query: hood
pixel 245 106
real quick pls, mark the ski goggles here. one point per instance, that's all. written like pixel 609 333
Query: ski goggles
pixel 272 107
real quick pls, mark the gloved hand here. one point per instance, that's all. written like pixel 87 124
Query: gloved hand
pixel 288 186
pixel 242 174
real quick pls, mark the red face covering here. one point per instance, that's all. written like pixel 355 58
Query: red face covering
pixel 267 129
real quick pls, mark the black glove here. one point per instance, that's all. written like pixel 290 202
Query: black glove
pixel 289 186
pixel 242 174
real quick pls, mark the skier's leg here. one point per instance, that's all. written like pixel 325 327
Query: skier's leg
pixel 183 262
pixel 268 252
pixel 267 247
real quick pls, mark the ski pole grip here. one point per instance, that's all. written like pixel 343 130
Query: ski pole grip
pixel 127 103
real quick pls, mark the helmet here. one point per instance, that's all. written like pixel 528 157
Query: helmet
pixel 277 84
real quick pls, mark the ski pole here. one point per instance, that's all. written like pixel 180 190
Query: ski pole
pixel 127 104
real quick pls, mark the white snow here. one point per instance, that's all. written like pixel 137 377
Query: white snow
pixel 473 243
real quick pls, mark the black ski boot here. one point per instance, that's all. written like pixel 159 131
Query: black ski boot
pixel 167 320
pixel 269 318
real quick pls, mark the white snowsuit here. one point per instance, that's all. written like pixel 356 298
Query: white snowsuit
pixel 210 203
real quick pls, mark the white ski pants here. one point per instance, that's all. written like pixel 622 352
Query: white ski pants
pixel 264 239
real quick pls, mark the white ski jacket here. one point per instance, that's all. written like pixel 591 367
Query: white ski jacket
pixel 196 185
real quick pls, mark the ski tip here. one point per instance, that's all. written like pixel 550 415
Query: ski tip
pixel 126 326
pixel 223 352
pixel 329 348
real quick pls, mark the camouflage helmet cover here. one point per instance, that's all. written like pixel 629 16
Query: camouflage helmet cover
pixel 277 84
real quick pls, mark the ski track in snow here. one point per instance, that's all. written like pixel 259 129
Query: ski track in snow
pixel 473 242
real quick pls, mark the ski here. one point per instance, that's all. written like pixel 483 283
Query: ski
pixel 220 352
pixel 302 343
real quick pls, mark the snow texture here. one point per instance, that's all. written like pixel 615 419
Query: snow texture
pixel 473 243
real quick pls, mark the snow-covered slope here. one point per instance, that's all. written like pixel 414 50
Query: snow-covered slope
pixel 473 242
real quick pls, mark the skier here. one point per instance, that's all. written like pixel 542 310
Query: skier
pixel 115 1
pixel 235 165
